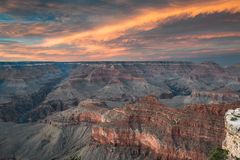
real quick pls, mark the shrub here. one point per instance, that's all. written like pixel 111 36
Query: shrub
pixel 233 118
pixel 218 154
pixel 75 157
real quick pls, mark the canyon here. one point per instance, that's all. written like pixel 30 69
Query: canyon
pixel 115 110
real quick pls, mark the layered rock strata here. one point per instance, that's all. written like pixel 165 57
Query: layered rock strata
pixel 32 91
pixel 167 133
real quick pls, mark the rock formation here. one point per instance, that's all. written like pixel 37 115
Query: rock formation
pixel 115 110
pixel 164 132
pixel 232 129
pixel 31 91
pixel 145 129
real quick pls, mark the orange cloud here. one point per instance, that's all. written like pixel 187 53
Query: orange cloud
pixel 209 36
pixel 145 20
pixel 88 52
pixel 93 40
pixel 93 44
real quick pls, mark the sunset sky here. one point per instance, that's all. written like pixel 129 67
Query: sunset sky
pixel 97 30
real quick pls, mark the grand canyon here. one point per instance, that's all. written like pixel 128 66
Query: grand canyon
pixel 119 79
pixel 115 110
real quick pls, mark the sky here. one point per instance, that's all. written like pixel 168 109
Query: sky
pixel 120 30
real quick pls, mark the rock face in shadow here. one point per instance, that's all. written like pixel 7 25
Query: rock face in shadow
pixel 23 87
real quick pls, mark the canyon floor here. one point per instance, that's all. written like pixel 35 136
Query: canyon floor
pixel 114 110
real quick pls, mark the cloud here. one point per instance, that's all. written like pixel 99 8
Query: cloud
pixel 118 30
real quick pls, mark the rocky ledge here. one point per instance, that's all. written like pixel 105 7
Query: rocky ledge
pixel 232 128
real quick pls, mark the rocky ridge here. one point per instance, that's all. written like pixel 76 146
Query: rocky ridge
pixel 151 127
pixel 32 91
pixel 145 129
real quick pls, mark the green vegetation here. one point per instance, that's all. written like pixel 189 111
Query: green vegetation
pixel 218 154
pixel 75 157
pixel 233 118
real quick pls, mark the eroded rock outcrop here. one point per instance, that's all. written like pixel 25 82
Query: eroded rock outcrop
pixel 32 91
pixel 161 131
pixel 168 133
pixel 212 97
pixel 145 130
pixel 232 128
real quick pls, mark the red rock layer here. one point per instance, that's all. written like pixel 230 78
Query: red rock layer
pixel 89 116
pixel 187 133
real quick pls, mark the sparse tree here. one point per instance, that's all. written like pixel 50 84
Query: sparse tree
pixel 75 157
pixel 218 154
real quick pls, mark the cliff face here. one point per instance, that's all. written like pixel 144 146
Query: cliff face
pixel 145 129
pixel 232 129
pixel 144 141
pixel 24 87
pixel 166 132
pixel 213 97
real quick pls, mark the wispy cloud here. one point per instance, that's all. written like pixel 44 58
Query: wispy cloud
pixel 118 30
